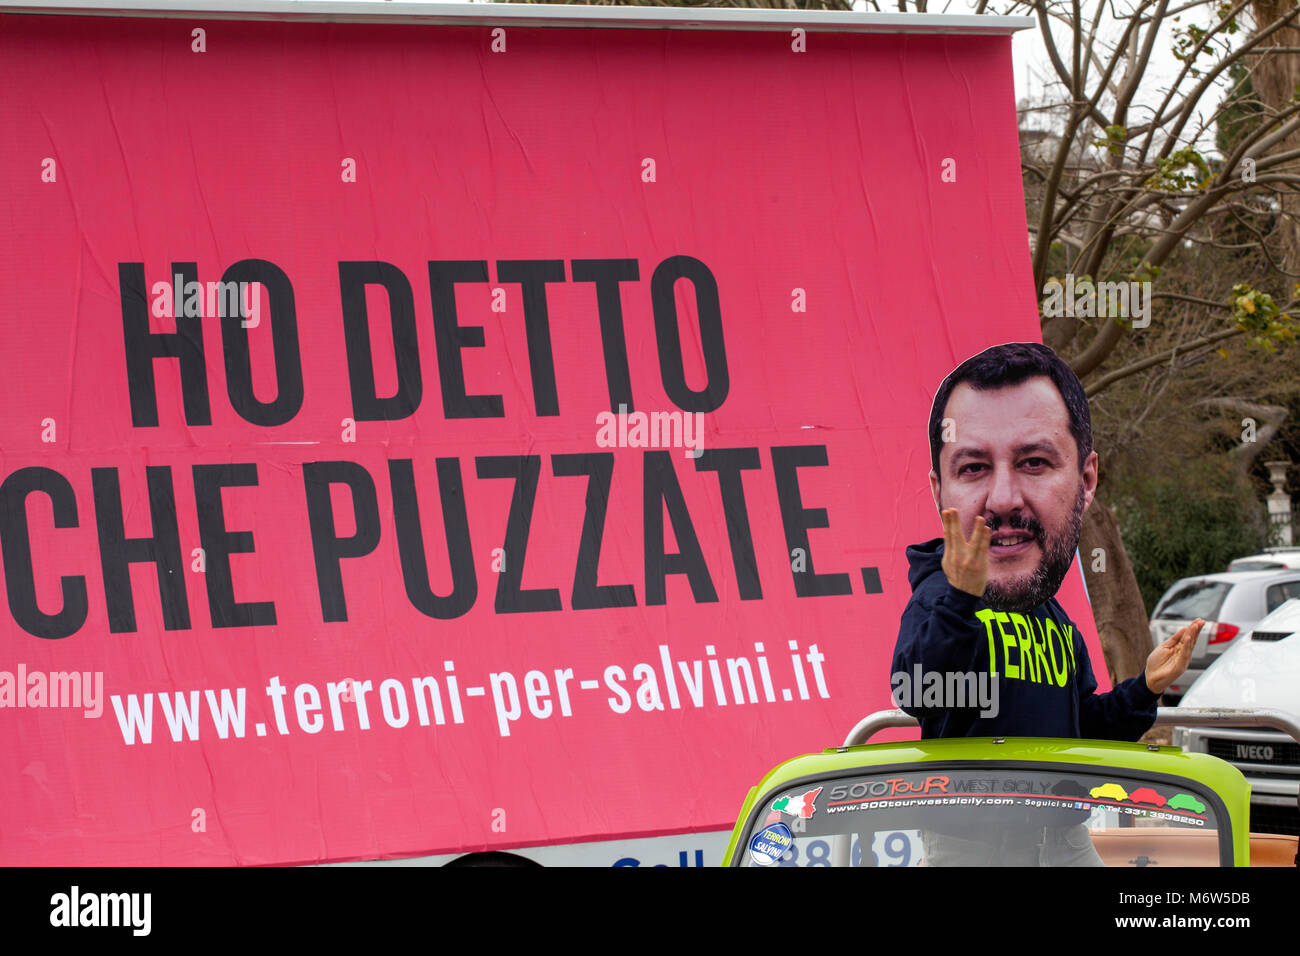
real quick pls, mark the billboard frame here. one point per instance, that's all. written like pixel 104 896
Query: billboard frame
pixel 534 15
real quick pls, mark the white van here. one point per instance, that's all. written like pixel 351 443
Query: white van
pixel 1260 669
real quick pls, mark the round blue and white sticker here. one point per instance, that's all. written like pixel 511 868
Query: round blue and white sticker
pixel 770 844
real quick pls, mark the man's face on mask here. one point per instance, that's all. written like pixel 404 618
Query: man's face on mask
pixel 1014 460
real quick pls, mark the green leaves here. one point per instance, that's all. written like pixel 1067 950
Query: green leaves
pixel 1185 169
pixel 1255 312
pixel 1223 10
pixel 1185 41
pixel 1116 137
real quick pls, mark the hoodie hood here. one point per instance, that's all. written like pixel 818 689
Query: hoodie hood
pixel 923 560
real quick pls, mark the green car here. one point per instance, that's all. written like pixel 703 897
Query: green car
pixel 1185 801
pixel 999 801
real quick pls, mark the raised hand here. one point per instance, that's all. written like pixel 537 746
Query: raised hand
pixel 1171 658
pixel 966 563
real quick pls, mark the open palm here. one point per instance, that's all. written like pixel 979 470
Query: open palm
pixel 1171 658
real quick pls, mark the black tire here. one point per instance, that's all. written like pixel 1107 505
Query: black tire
pixel 493 858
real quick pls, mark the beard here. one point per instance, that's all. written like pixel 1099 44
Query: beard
pixel 1044 581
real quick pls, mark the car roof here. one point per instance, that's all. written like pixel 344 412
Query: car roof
pixel 1112 754
pixel 1239 577
pixel 1275 554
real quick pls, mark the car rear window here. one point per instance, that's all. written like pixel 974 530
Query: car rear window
pixel 993 813
pixel 1279 594
pixel 1195 599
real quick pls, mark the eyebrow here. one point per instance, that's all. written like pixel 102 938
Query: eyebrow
pixel 1028 448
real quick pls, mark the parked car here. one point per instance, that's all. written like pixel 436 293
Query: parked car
pixel 982 801
pixel 1272 559
pixel 1260 669
pixel 1229 602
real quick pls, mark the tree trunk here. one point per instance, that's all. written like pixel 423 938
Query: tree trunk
pixel 1113 591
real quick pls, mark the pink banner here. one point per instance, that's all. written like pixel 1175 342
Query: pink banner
pixel 431 439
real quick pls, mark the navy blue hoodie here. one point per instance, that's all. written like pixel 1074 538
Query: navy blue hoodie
pixel 1046 686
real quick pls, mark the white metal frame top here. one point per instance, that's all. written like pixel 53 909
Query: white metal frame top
pixel 531 15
